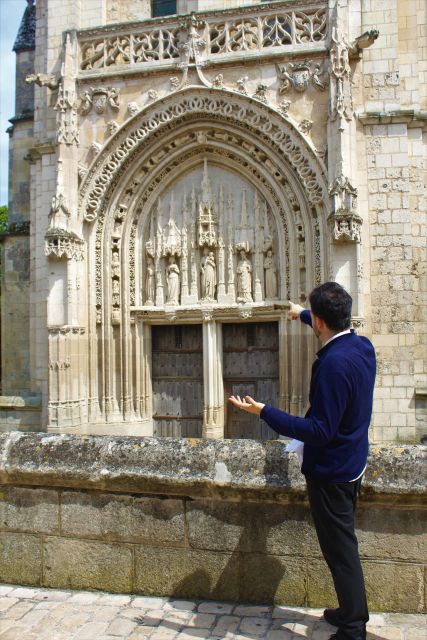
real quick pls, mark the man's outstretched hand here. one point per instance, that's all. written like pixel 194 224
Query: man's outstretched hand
pixel 294 310
pixel 247 404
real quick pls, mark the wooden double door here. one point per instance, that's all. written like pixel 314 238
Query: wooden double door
pixel 250 367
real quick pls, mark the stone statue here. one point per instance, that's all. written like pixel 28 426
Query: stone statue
pixel 173 282
pixel 150 275
pixel 208 269
pixel 270 275
pixel 115 264
pixel 244 278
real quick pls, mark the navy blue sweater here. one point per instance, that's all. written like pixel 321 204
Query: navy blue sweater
pixel 335 428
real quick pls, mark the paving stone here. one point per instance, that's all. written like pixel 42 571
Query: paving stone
pixel 91 630
pixel 385 633
pixel 115 600
pixel 121 627
pixel 7 603
pixel 4 590
pixel 53 595
pixel 255 625
pixel 181 605
pixel 250 610
pixel 105 613
pixel 84 598
pixel 305 631
pixel 32 618
pixel 226 623
pixel 280 634
pixel 215 607
pixel 202 620
pixel 23 592
pixel 19 609
pixel 17 632
pixel 287 613
pixel 148 603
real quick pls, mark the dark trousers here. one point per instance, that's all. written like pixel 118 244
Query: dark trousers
pixel 332 507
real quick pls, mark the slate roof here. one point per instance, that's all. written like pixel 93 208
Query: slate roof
pixel 26 38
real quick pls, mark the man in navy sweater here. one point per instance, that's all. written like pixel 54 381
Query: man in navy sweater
pixel 334 433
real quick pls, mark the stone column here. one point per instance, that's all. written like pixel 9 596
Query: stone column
pixel 283 364
pixel 213 412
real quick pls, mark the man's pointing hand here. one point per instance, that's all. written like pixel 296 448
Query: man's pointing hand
pixel 294 310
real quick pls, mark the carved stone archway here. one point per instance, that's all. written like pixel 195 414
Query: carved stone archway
pixel 152 151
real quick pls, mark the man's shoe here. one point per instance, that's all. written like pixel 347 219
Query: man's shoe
pixel 332 617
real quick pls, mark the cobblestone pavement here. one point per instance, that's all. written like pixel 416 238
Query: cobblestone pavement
pixel 37 614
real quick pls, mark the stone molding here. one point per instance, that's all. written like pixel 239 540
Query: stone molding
pixel 193 467
pixel 229 104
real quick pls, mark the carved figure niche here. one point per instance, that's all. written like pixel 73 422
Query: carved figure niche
pixel 210 238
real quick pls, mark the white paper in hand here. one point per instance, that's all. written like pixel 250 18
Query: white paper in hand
pixel 295 446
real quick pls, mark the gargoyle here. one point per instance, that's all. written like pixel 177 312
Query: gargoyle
pixel 43 80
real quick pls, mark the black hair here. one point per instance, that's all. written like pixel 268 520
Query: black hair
pixel 331 303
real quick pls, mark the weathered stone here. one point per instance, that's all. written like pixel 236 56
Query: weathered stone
pixel 23 509
pixel 267 578
pixel 186 573
pixel 395 534
pixel 20 558
pixel 123 518
pixel 394 586
pixel 81 565
pixel 177 466
pixel 320 587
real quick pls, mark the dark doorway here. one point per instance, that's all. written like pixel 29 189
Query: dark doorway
pixel 251 367
pixel 178 380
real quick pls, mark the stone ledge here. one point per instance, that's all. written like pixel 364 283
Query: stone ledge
pixel 231 469
pixel 23 403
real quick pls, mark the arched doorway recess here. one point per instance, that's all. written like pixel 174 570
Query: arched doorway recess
pixel 207 208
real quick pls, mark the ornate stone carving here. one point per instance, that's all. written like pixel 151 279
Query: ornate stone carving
pixel 357 323
pixel 133 109
pixel 341 98
pixel 284 107
pixel 153 94
pixel 299 75
pixel 245 313
pixel 240 84
pixel 270 269
pixel 82 171
pixel 95 147
pixel 248 30
pixel 295 154
pixel 112 127
pixel 343 194
pixel 208 275
pixel 99 98
pixel 67 131
pixel 244 278
pixel 218 81
pixel 150 281
pixel 345 225
pixel 261 93
pixel 305 126
pixel 43 80
pixel 173 281
pixel 60 243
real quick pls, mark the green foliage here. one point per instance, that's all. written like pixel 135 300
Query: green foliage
pixel 3 217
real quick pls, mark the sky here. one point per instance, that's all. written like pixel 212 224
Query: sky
pixel 11 12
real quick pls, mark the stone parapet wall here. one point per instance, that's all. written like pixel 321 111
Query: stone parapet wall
pixel 198 518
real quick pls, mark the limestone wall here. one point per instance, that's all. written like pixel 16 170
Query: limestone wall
pixel 196 518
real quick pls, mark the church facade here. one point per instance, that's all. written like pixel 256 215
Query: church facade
pixel 179 171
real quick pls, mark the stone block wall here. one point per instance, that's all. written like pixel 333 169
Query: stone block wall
pixel 113 514
pixel 394 176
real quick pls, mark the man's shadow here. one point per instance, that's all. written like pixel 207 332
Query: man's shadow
pixel 254 571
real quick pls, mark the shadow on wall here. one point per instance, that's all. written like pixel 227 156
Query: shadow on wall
pixel 262 547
